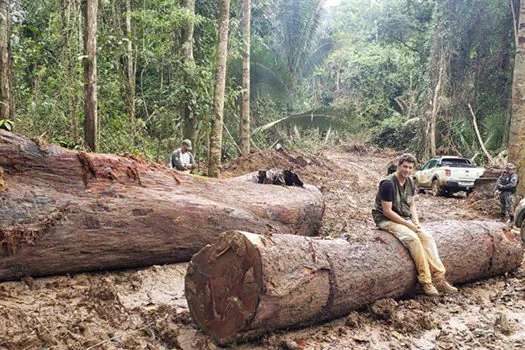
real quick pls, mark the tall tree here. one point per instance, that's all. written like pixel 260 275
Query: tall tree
pixel 220 86
pixel 5 91
pixel 517 125
pixel 245 112
pixel 67 34
pixel 131 70
pixel 90 8
pixel 188 129
pixel 438 66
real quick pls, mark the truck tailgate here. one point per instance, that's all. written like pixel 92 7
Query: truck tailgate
pixel 464 174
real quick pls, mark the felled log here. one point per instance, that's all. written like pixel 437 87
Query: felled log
pixel 246 285
pixel 63 211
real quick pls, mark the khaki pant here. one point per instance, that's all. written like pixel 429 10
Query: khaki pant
pixel 422 247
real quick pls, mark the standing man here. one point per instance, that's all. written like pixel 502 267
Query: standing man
pixel 395 212
pixel 182 159
pixel 506 185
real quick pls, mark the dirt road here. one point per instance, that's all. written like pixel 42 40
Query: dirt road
pixel 146 309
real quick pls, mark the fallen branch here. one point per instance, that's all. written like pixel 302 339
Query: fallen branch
pixel 474 121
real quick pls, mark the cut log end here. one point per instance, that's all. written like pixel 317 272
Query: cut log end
pixel 224 284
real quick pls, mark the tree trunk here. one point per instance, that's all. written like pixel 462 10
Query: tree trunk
pixel 5 93
pixel 337 83
pixel 220 86
pixel 67 33
pixel 517 124
pixel 90 73
pixel 132 71
pixel 434 112
pixel 188 128
pixel 64 211
pixel 246 285
pixel 245 112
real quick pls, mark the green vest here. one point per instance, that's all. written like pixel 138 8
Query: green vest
pixel 401 203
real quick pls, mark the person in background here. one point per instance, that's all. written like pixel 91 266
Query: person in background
pixel 506 185
pixel 182 158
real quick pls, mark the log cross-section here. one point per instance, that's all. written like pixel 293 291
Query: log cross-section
pixel 246 284
pixel 63 211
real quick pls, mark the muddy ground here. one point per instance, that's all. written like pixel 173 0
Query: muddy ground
pixel 146 309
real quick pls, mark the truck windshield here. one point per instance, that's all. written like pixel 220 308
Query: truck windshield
pixel 457 162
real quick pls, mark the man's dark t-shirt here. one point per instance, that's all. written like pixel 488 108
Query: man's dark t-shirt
pixel 386 191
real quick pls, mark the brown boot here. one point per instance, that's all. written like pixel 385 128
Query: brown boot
pixel 430 290
pixel 444 287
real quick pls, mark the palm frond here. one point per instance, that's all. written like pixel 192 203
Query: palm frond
pixel 311 119
pixel 301 23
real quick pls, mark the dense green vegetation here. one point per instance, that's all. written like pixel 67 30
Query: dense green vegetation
pixel 378 71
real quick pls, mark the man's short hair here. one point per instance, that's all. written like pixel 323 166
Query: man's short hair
pixel 406 157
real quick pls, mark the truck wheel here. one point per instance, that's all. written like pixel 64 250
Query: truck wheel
pixel 436 188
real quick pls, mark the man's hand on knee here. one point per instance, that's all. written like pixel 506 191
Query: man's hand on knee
pixel 413 226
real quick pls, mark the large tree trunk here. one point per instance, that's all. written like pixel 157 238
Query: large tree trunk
pixel 90 73
pixel 188 128
pixel 220 86
pixel 5 93
pixel 517 125
pixel 245 110
pixel 64 211
pixel 246 284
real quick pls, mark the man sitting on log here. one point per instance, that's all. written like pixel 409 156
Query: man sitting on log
pixel 395 212
pixel 182 159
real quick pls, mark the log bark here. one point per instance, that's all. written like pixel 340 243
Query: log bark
pixel 64 211
pixel 246 284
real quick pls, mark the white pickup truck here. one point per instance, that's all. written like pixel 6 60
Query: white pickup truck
pixel 447 175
